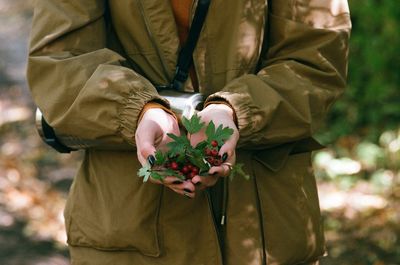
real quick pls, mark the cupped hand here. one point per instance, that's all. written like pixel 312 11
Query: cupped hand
pixel 220 114
pixel 151 135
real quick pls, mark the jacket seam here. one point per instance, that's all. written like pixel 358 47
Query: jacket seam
pixel 260 217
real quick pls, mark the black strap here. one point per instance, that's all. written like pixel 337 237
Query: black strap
pixel 185 58
pixel 50 138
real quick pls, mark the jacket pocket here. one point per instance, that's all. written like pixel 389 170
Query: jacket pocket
pixel 110 208
pixel 290 210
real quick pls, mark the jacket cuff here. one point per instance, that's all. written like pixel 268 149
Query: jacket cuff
pixel 155 105
pixel 241 102
pixel 128 115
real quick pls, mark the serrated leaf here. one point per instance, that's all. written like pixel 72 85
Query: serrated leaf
pixel 171 172
pixel 210 131
pixel 156 176
pixel 201 146
pixel 222 134
pixel 173 136
pixel 181 158
pixel 203 170
pixel 178 146
pixel 198 161
pixel 160 157
pixel 193 125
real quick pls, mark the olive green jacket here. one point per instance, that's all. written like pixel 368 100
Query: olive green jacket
pixel 280 64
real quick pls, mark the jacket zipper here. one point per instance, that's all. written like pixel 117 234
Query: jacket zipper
pixel 217 232
pixel 152 38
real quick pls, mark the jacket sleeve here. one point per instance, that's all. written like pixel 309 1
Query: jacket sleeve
pixel 303 71
pixel 80 86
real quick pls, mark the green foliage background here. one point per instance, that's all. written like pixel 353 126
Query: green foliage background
pixel 371 103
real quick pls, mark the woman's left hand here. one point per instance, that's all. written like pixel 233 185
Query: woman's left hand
pixel 219 114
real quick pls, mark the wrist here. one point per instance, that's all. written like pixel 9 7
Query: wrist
pixel 222 107
pixel 154 106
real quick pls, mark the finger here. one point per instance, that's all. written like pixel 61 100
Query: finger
pixel 144 148
pixel 167 181
pixel 171 180
pixel 227 151
pixel 155 181
pixel 223 170
pixel 187 194
pixel 141 159
pixel 186 185
pixel 197 180
pixel 148 133
pixel 202 183
pixel 144 153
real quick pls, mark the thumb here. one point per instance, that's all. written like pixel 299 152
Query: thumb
pixel 144 152
pixel 145 139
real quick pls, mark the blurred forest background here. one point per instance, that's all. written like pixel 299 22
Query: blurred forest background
pixel 358 174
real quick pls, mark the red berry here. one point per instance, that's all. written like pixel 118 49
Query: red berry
pixel 214 143
pixel 190 175
pixel 174 165
pixel 195 170
pixel 185 170
pixel 210 160
pixel 208 152
pixel 217 162
pixel 190 167
pixel 214 153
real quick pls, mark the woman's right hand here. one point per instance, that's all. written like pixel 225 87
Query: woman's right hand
pixel 151 135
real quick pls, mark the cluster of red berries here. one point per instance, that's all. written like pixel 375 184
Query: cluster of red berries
pixel 187 169
pixel 212 155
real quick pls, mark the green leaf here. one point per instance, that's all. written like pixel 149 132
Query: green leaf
pixel 237 169
pixel 221 134
pixel 193 125
pixel 198 161
pixel 178 146
pixel 210 131
pixel 171 172
pixel 145 172
pixel 156 176
pixel 181 158
pixel 160 158
pixel 173 136
pixel 201 146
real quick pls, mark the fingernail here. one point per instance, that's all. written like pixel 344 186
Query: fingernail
pixel 187 190
pixel 224 157
pixel 151 159
pixel 177 182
